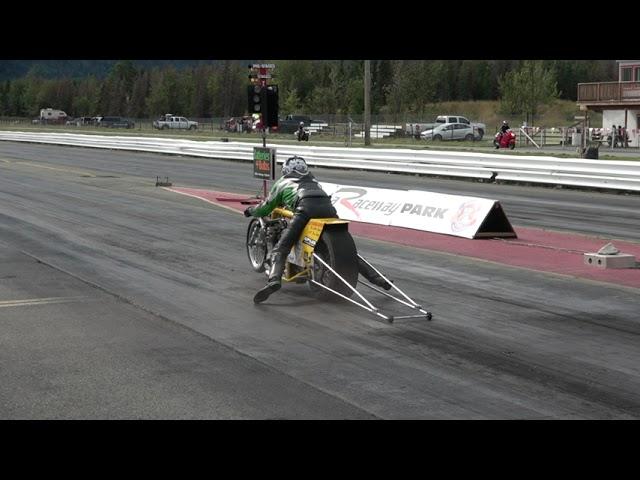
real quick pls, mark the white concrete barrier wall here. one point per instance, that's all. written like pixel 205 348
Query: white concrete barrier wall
pixel 622 175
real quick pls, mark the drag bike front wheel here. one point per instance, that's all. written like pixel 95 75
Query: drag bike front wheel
pixel 256 245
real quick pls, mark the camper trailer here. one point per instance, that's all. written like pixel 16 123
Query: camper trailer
pixel 50 115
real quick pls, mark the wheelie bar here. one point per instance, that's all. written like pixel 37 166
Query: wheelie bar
pixel 370 307
pixel 412 304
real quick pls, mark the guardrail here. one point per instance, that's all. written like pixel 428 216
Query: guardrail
pixel 617 175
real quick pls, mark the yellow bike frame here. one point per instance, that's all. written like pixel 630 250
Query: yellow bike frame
pixel 302 252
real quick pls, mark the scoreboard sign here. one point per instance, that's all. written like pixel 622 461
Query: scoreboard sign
pixel 264 163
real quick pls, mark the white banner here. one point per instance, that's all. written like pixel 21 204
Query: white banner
pixel 428 211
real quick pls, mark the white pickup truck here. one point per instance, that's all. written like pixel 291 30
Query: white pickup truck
pixel 171 121
pixel 440 119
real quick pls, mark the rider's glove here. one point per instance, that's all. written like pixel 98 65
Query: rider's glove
pixel 248 212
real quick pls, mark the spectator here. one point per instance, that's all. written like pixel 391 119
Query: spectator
pixel 620 136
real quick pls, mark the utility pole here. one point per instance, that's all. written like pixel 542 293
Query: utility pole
pixel 367 102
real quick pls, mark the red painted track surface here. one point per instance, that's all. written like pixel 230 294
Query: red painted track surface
pixel 535 249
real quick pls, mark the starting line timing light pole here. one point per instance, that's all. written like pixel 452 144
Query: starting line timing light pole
pixel 263 101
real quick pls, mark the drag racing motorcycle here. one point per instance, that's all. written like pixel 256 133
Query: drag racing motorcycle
pixel 505 140
pixel 324 257
pixel 302 135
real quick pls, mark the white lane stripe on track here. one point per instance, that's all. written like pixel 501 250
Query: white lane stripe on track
pixel 39 301
pixel 66 170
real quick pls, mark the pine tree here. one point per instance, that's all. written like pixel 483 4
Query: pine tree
pixel 16 101
pixel 139 93
pixel 200 100
pixel 291 103
pixel 4 98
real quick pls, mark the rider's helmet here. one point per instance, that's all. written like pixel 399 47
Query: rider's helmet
pixel 302 124
pixel 295 164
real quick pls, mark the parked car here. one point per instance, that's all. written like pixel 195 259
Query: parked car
pixel 290 123
pixel 479 128
pixel 115 122
pixel 172 121
pixel 450 131
pixel 81 121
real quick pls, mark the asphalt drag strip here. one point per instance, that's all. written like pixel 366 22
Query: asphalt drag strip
pixel 155 316
pixel 69 350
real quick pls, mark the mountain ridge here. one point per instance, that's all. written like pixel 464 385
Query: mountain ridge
pixel 13 69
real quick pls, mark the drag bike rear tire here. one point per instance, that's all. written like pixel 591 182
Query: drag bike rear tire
pixel 337 248
pixel 257 253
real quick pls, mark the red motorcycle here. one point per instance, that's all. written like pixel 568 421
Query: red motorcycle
pixel 505 140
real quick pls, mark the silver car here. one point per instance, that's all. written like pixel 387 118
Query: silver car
pixel 450 131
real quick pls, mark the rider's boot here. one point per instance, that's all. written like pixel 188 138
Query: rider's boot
pixel 275 278
pixel 370 274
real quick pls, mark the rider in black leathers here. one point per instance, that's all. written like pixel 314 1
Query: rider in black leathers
pixel 503 129
pixel 298 191
pixel 301 133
